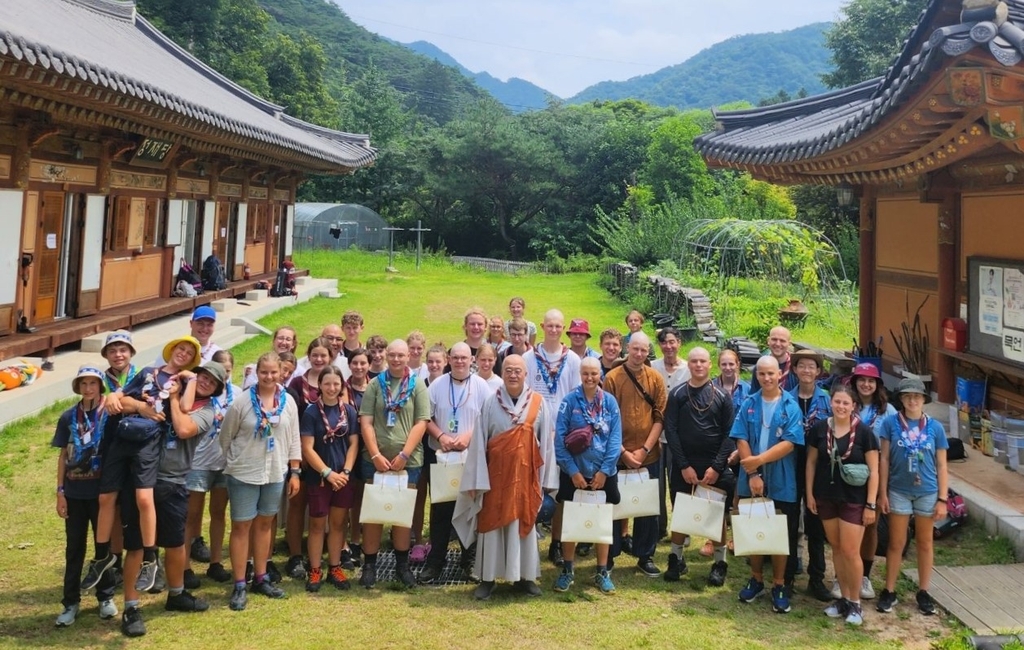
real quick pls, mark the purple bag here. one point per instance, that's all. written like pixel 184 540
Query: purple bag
pixel 579 440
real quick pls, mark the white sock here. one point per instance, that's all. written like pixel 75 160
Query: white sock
pixel 677 550
pixel 720 553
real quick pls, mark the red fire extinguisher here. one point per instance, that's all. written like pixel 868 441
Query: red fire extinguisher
pixel 245 271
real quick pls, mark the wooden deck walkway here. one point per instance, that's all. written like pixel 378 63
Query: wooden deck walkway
pixel 987 599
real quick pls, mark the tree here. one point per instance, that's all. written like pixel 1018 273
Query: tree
pixel 674 168
pixel 868 38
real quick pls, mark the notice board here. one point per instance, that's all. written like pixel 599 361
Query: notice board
pixel 995 309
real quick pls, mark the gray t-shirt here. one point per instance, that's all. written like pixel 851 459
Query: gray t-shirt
pixel 176 462
pixel 209 455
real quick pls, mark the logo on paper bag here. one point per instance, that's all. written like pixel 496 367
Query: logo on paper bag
pixel 387 507
pixel 588 524
pixel 454 483
pixel 697 517
pixel 760 537
pixel 636 499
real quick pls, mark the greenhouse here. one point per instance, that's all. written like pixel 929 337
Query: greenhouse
pixel 325 226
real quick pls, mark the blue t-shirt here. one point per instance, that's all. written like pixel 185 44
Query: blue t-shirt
pixel 785 424
pixel 603 453
pixel 904 464
pixel 740 391
pixel 334 451
pixel 870 416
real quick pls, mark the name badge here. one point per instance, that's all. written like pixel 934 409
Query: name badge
pixel 392 418
pixel 87 438
pixel 453 425
pixel 275 419
pixel 172 443
pixel 270 444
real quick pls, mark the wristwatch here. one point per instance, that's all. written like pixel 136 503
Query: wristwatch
pixel 294 471
pixel 870 506
pixel 346 472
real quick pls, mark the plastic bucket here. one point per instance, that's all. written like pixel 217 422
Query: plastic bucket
pixel 999 446
pixel 970 395
pixel 1015 451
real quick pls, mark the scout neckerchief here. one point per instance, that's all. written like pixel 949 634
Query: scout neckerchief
pixel 116 382
pixel 220 407
pixel 266 420
pixel 784 374
pixel 814 410
pixel 394 404
pixel 516 410
pixel 456 404
pixel 87 430
pixel 551 372
pixel 331 432
pixel 593 414
pixel 309 393
pixel 915 441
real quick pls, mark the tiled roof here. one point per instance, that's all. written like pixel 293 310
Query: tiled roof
pixel 107 44
pixel 810 127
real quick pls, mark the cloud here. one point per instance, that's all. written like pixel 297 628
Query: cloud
pixel 566 45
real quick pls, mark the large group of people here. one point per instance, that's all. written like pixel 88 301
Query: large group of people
pixel 532 421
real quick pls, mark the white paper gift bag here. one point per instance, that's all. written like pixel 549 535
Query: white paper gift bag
pixel 698 515
pixel 445 480
pixel 759 531
pixel 638 495
pixel 587 518
pixel 386 501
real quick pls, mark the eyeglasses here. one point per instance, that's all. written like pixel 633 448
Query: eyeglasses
pixel 513 372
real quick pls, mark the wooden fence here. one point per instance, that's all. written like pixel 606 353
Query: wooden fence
pixel 500 266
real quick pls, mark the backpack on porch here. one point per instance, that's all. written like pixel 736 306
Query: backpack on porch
pixel 283 284
pixel 188 275
pixel 214 278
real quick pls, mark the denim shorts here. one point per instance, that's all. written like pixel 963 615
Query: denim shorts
pixel 906 504
pixel 248 500
pixel 204 480
pixel 367 470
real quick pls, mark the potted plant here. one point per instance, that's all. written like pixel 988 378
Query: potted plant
pixel 912 344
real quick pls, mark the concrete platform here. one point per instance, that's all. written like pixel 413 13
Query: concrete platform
pixel 236 322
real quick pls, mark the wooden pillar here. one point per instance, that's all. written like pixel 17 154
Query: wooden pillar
pixel 944 383
pixel 867 265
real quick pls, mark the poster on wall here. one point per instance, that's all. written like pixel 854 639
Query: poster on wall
pixel 996 309
pixel 990 290
pixel 1013 299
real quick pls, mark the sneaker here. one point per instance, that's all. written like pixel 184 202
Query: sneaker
pixel 67 617
pixel 750 592
pixel 836 591
pixel 199 551
pixel 96 570
pixel 855 615
pixel 218 573
pixel 818 590
pixel 108 610
pixel 185 602
pixel 239 598
pixel 132 624
pixel 718 572
pixel 483 590
pixel 430 573
pixel 647 567
pixel 925 603
pixel 336 576
pixel 838 609
pixel 147 576
pixel 296 568
pixel 161 578
pixel 564 581
pixel 314 580
pixel 274 574
pixel 347 563
pixel 467 563
pixel 603 580
pixel 357 553
pixel 676 568
pixel 405 576
pixel 627 544
pixel 886 601
pixel 250 572
pixel 555 554
pixel 780 600
pixel 267 588
pixel 368 578
pixel 867 592
pixel 191 579
pixel 583 549
pixel 528 587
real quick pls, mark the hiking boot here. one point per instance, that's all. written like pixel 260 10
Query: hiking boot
pixel 430 573
pixel 818 590
pixel 780 600
pixel 147 576
pixel 528 587
pixel 368 578
pixel 583 549
pixel 647 568
pixel 483 590
pixel 191 579
pixel 347 563
pixel 555 553
pixel 132 624
pixel 886 601
pixel 716 578
pixel 751 591
pixel 199 552
pixel 274 575
pixel 314 580
pixel 108 610
pixel 336 576
pixel 357 553
pixel 266 588
pixel 218 573
pixel 854 615
pixel 405 576
pixel 564 581
pixel 239 599
pixel 603 580
pixel 68 616
pixel 838 609
pixel 96 570
pixel 627 544
pixel 925 603
pixel 295 568
pixel 185 602
pixel 676 568
pixel 867 592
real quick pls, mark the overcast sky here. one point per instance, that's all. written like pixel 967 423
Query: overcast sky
pixel 564 46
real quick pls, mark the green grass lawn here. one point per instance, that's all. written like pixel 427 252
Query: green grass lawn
pixel 644 612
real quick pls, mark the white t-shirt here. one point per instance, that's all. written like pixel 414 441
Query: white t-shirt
pixel 454 407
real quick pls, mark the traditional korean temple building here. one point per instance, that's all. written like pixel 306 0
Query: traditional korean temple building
pixel 934 149
pixel 121 155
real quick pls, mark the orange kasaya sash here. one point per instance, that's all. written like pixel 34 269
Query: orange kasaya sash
pixel 513 459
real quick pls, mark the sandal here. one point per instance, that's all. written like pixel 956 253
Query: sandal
pixel 708 549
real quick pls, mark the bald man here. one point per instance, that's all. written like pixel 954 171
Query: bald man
pixel 779 340
pixel 393 418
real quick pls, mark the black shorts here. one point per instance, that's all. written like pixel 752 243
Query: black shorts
pixel 131 464
pixel 171 501
pixel 566 490
pixel 725 482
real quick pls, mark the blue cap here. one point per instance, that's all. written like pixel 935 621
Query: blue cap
pixel 205 311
